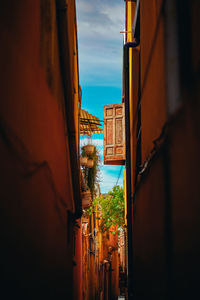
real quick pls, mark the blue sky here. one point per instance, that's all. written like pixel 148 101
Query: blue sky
pixel 100 66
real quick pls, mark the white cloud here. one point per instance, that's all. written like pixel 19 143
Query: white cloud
pixel 96 142
pixel 100 41
pixel 84 6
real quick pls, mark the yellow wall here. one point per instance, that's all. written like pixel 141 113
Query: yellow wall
pixel 134 54
pixel 124 194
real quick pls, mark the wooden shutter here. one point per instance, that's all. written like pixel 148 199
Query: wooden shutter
pixel 114 134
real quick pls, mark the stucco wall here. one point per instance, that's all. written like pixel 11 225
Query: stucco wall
pixel 36 185
pixel 166 223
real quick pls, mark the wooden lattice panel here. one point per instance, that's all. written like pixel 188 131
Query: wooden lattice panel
pixel 114 134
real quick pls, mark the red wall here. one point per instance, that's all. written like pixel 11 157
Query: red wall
pixel 35 176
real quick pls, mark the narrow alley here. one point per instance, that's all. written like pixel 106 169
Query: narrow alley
pixel 99 149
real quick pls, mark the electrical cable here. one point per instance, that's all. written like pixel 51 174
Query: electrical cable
pixel 119 175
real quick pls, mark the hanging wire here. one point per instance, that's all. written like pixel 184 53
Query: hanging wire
pixel 120 171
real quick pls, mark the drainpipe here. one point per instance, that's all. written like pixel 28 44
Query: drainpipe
pixel 67 78
pixel 127 46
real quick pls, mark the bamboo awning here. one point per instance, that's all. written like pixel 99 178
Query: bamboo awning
pixel 89 124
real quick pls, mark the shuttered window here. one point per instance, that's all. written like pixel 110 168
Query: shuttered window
pixel 114 134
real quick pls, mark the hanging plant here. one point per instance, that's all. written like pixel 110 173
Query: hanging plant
pixel 88 149
pixel 83 160
pixel 91 170
pixel 90 163
pixel 86 199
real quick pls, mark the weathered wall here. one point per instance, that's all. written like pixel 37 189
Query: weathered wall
pixel 166 225
pixel 78 263
pixel 149 236
pixel 153 112
pixel 185 194
pixel 36 185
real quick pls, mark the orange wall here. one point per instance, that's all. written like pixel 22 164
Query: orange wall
pixel 97 282
pixel 78 274
pixel 166 225
pixel 153 112
pixel 36 186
